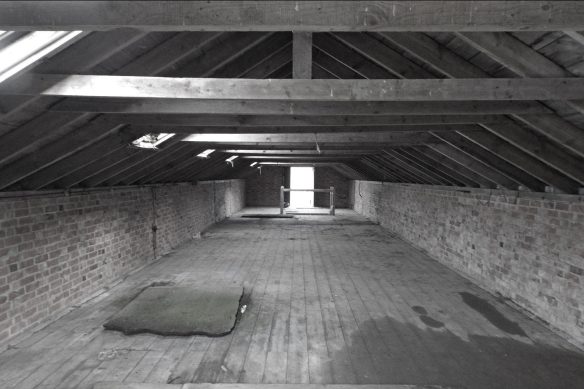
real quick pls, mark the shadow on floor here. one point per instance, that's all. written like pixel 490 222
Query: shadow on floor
pixel 437 356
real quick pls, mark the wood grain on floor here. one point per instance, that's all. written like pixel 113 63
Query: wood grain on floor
pixel 329 300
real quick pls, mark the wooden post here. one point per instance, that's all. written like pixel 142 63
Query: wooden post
pixel 281 200
pixel 333 200
pixel 302 55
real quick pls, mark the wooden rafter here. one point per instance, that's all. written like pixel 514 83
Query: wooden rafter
pixel 425 49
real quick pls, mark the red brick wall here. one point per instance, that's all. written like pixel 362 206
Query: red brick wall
pixel 527 246
pixel 263 190
pixel 57 250
pixel 324 178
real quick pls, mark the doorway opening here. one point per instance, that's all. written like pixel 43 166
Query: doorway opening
pixel 301 177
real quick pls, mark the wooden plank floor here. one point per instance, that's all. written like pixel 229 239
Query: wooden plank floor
pixel 329 300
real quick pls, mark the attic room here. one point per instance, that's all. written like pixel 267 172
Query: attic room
pixel 291 194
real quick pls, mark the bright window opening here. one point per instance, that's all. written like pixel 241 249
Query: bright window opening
pixel 31 48
pixel 231 159
pixel 301 177
pixel 206 153
pixel 151 141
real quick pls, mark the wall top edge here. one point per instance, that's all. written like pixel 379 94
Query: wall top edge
pixel 574 198
pixel 13 195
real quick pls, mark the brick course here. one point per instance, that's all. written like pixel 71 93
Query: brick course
pixel 263 190
pixel 57 250
pixel 528 247
pixel 324 178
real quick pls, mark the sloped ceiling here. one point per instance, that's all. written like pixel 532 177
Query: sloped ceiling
pixel 49 142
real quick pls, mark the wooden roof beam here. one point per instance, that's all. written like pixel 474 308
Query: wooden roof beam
pixel 255 121
pixel 246 153
pixel 294 16
pixel 302 129
pixel 322 139
pixel 302 55
pixel 298 108
pixel 295 90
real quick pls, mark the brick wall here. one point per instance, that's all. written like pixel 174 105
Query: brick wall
pixel 263 190
pixel 57 250
pixel 527 246
pixel 325 177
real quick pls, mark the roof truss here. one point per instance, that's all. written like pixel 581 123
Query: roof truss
pixel 381 121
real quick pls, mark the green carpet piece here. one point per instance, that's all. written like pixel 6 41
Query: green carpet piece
pixel 184 310
pixel 267 216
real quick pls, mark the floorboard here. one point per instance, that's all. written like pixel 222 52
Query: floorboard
pixel 329 300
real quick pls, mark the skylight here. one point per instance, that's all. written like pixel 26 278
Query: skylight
pixel 231 159
pixel 206 153
pixel 253 164
pixel 151 141
pixel 31 48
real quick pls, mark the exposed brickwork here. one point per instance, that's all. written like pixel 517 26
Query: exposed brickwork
pixel 325 177
pixel 58 250
pixel 263 190
pixel 528 247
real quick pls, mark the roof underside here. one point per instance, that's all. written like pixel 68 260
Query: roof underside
pixel 56 142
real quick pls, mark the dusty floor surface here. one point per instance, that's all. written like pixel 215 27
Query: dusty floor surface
pixel 328 300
